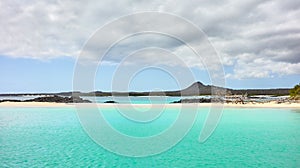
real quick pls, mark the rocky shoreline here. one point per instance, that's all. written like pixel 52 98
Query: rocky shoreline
pixel 201 100
pixel 235 100
pixel 52 99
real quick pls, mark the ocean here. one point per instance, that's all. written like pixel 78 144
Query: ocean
pixel 244 137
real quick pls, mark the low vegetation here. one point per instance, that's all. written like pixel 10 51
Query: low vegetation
pixel 295 92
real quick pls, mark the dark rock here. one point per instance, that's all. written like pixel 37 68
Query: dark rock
pixel 9 100
pixel 110 101
pixel 201 100
pixel 59 99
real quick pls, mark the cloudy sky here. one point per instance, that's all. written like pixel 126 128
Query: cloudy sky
pixel 258 42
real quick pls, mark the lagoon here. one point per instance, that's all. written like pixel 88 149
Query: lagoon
pixel 245 137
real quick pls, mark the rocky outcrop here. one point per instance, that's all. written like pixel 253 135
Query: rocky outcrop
pixel 10 100
pixel 201 100
pixel 110 101
pixel 59 99
pixel 54 99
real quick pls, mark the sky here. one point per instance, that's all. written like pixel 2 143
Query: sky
pixel 255 41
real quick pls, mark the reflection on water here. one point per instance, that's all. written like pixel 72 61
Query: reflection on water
pixel 295 110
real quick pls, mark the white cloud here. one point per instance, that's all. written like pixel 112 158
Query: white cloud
pixel 262 68
pixel 256 38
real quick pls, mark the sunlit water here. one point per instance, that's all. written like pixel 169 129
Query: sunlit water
pixel 53 137
pixel 140 99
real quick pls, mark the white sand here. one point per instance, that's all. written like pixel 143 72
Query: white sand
pixel 33 104
pixel 248 105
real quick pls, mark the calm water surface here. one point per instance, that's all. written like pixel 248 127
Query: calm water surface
pixel 53 137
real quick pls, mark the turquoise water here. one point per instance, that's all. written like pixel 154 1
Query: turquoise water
pixel 140 99
pixel 53 137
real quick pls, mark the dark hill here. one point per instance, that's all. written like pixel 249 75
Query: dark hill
pixel 196 88
pixel 199 88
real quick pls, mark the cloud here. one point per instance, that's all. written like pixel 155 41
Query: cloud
pixel 257 38
pixel 248 66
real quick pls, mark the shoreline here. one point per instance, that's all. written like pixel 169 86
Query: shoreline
pixel 74 105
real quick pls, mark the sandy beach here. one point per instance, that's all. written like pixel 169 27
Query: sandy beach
pixel 33 104
pixel 226 105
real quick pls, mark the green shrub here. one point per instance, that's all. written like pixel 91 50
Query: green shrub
pixel 295 92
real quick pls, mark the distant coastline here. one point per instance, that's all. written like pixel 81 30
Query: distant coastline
pixel 196 89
